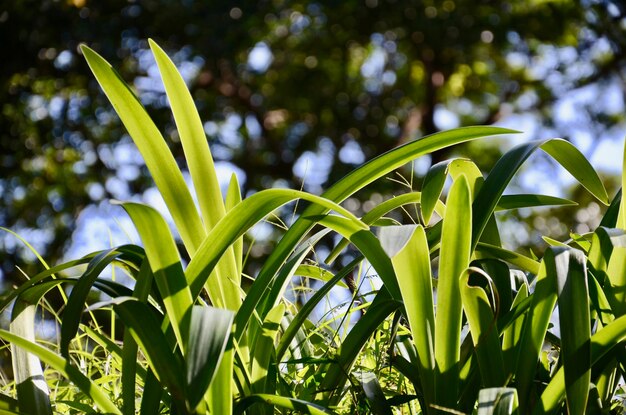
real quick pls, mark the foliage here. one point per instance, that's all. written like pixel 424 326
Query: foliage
pixel 196 341
pixel 349 77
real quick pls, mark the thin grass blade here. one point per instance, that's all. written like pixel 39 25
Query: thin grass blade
pixel 65 368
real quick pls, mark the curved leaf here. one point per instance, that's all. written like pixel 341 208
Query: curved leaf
pixel 165 264
pixel 158 157
pixel 281 401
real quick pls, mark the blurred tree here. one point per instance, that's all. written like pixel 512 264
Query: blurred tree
pixel 293 92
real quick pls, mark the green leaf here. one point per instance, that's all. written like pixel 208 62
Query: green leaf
pixel 577 165
pixel 506 167
pixel 610 218
pixel 535 326
pixel 145 328
pixel 432 187
pixel 574 319
pixel 316 272
pixel 73 310
pixel 508 202
pixel 264 352
pixel 603 342
pixel 408 249
pixel 293 404
pixel 454 257
pixel 481 316
pixel 165 264
pixel 512 334
pixel 209 333
pixel 616 287
pixel 497 401
pixel 523 262
pixel 65 368
pixel 193 139
pixel 130 367
pixel 233 197
pixel 159 160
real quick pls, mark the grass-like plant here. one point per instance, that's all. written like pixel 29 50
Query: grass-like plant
pixel 195 342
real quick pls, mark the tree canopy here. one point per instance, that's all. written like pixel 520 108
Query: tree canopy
pixel 292 93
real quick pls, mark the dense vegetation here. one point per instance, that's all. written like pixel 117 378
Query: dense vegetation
pixel 459 323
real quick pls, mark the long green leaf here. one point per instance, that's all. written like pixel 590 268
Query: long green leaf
pixel 202 170
pixel 481 316
pixel 130 347
pixel 298 405
pixel 504 170
pixel 159 160
pixel 264 351
pixel 574 319
pixel 523 262
pixel 616 287
pixel 89 388
pixel 165 264
pixel 508 202
pixel 145 328
pixel 193 139
pixel 73 311
pixel 408 249
pixel 512 334
pixel 602 343
pixel 535 327
pixel 454 257
pixel 209 333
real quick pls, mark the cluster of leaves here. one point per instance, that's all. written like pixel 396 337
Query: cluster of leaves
pixel 475 343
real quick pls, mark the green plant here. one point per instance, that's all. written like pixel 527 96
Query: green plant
pixel 195 342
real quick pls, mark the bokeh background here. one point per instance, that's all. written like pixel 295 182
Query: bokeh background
pixel 298 93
